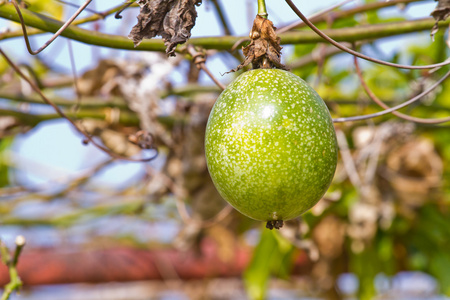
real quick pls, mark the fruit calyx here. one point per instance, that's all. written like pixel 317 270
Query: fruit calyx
pixel 264 50
pixel 277 224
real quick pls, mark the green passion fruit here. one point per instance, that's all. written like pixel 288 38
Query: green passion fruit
pixel 270 146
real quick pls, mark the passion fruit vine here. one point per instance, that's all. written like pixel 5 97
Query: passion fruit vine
pixel 270 146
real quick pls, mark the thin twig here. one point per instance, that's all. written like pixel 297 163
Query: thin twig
pixel 375 150
pixel 217 218
pixel 184 214
pixel 11 262
pixel 222 17
pixel 34 31
pixel 238 42
pixel 125 6
pixel 199 60
pixel 377 100
pixel 355 53
pixel 46 44
pixel 20 243
pixel 39 191
pixel 207 71
pixel 341 14
pixel 86 9
pixel 313 56
pixel 62 114
pixel 74 74
pixel 349 163
pixel 315 15
pixel 180 194
pixel 392 109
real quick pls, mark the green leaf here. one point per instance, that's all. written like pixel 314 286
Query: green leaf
pixel 385 245
pixel 272 256
pixel 429 244
pixel 47 7
pixel 425 53
pixel 366 267
pixel 440 266
pixel 300 51
pixel 346 22
pixel 5 144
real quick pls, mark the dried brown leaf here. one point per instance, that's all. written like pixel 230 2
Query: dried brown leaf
pixel 440 13
pixel 171 19
pixel 329 236
pixel 116 141
pixel 414 170
pixel 94 81
pixel 10 126
pixel 264 51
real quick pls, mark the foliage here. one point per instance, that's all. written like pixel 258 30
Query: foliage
pixel 47 7
pixel 272 257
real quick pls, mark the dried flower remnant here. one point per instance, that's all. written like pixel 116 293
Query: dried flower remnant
pixel 171 19
pixel 440 13
pixel 264 51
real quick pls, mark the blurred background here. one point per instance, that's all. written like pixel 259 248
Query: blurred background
pixel 103 228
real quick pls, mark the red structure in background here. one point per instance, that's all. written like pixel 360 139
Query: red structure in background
pixel 54 265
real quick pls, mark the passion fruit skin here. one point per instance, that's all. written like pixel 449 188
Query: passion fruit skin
pixel 270 145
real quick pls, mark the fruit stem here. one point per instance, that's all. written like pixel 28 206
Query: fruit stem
pixel 262 9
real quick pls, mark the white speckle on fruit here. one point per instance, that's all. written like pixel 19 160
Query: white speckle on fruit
pixel 268 111
pixel 274 215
